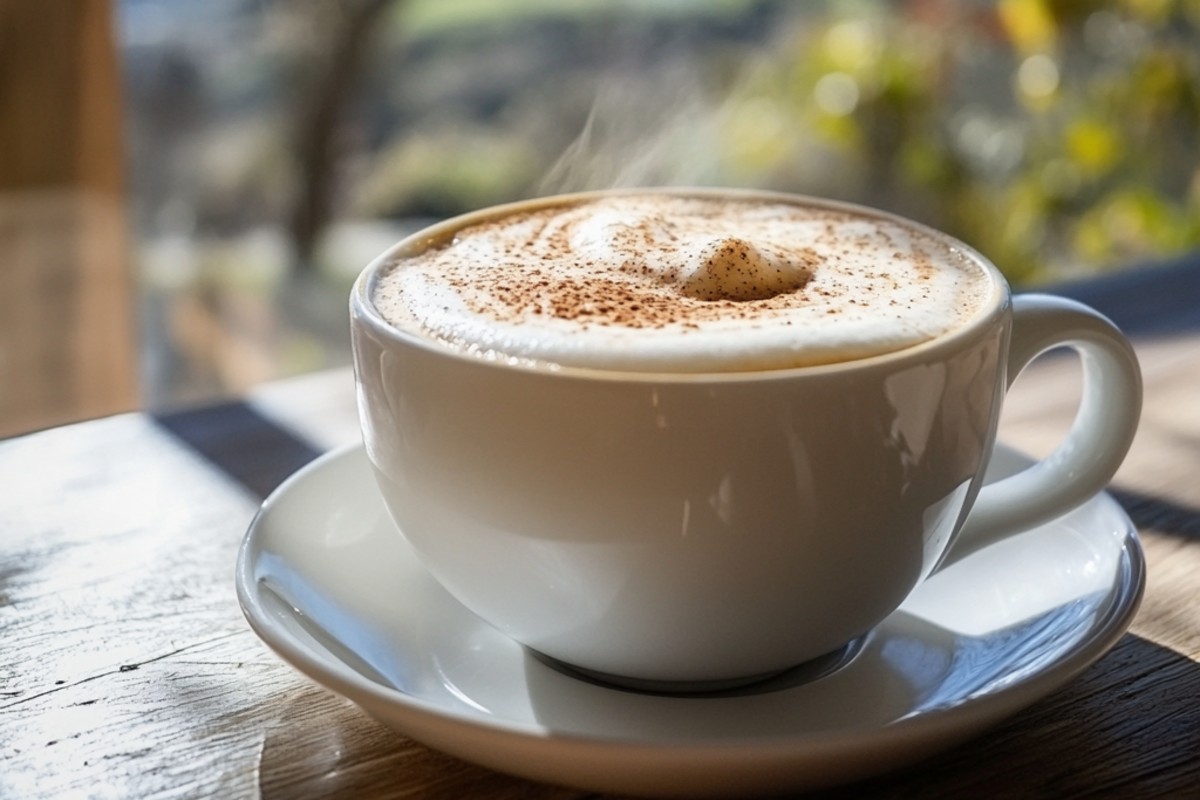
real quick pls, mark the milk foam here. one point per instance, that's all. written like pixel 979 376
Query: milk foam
pixel 677 283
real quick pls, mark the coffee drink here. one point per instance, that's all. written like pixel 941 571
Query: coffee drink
pixel 580 415
pixel 681 282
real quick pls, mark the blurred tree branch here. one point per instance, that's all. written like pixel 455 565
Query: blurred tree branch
pixel 321 110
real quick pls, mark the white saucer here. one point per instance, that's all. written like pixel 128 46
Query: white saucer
pixel 325 579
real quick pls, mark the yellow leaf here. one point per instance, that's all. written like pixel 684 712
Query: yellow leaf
pixel 1092 146
pixel 1029 24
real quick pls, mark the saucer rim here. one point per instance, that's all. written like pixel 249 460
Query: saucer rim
pixel 451 729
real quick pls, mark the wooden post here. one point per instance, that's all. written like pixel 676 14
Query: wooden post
pixel 67 342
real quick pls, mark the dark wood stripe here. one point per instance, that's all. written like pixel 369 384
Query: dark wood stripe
pixel 259 453
pixel 1158 514
pixel 1152 300
pixel 252 449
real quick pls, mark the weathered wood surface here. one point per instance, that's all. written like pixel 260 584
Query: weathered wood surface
pixel 126 669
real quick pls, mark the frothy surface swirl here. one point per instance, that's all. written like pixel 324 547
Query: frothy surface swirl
pixel 682 283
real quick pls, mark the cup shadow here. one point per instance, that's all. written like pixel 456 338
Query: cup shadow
pixel 909 667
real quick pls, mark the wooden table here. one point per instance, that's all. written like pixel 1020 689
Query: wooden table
pixel 127 670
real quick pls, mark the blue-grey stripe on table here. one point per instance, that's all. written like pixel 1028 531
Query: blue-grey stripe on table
pixel 251 448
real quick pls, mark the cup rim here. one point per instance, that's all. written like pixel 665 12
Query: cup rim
pixel 363 310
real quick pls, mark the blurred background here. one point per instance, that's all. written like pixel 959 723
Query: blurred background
pixel 242 160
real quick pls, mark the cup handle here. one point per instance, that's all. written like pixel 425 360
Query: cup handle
pixel 1098 440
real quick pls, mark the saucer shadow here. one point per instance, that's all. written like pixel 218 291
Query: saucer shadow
pixel 321 746
pixel 1118 730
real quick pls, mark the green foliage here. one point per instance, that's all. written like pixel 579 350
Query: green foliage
pixel 1056 137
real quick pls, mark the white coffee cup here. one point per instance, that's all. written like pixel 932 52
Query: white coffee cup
pixel 675 530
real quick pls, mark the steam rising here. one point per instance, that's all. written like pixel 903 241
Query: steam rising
pixel 663 130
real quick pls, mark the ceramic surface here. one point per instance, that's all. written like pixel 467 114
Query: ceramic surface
pixel 327 581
